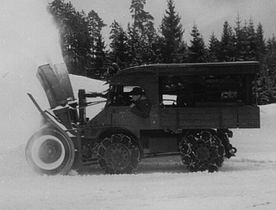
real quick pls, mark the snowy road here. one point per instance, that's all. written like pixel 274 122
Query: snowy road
pixel 247 181
pixel 164 184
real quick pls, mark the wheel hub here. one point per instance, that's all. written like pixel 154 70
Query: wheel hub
pixel 118 155
pixel 203 153
pixel 49 151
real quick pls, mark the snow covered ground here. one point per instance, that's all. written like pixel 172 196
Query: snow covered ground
pixel 29 39
pixel 247 181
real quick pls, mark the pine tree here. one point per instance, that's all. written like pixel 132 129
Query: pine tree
pixel 260 42
pixel 227 43
pixel 95 23
pixel 271 45
pixel 266 83
pixel 197 49
pixel 240 40
pixel 172 32
pixel 252 42
pixel 262 85
pixel 119 45
pixel 245 41
pixel 143 31
pixel 141 18
pixel 95 26
pixel 270 57
pixel 214 49
pixel 135 45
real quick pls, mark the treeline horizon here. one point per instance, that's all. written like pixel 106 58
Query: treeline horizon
pixel 85 52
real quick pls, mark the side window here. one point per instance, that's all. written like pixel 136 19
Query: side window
pixel 222 89
pixel 169 100
pixel 201 90
pixel 120 95
pixel 168 87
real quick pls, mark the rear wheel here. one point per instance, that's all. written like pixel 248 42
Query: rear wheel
pixel 118 154
pixel 202 150
pixel 49 152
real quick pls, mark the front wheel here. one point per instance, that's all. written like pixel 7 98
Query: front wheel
pixel 50 152
pixel 118 154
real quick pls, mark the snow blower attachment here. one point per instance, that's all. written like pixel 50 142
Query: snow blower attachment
pixel 192 109
pixel 55 148
pixel 50 150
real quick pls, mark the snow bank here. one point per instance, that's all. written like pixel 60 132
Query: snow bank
pixel 259 144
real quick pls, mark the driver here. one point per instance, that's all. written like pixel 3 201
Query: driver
pixel 140 105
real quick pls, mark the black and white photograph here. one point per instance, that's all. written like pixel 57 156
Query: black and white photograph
pixel 138 104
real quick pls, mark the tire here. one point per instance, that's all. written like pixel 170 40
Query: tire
pixel 202 150
pixel 118 154
pixel 50 152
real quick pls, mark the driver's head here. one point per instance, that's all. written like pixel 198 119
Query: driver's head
pixel 136 93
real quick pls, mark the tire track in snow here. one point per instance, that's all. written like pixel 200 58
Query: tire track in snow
pixel 13 163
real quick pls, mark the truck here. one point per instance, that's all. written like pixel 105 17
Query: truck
pixel 193 107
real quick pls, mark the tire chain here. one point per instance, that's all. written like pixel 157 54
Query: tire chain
pixel 205 139
pixel 106 164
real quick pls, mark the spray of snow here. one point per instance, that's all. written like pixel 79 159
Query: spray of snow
pixel 28 38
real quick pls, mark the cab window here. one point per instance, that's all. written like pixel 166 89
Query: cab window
pixel 120 95
pixel 203 90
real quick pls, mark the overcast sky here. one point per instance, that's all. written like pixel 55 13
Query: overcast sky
pixel 208 15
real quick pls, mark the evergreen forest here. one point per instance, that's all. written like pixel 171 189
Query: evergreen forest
pixel 86 53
